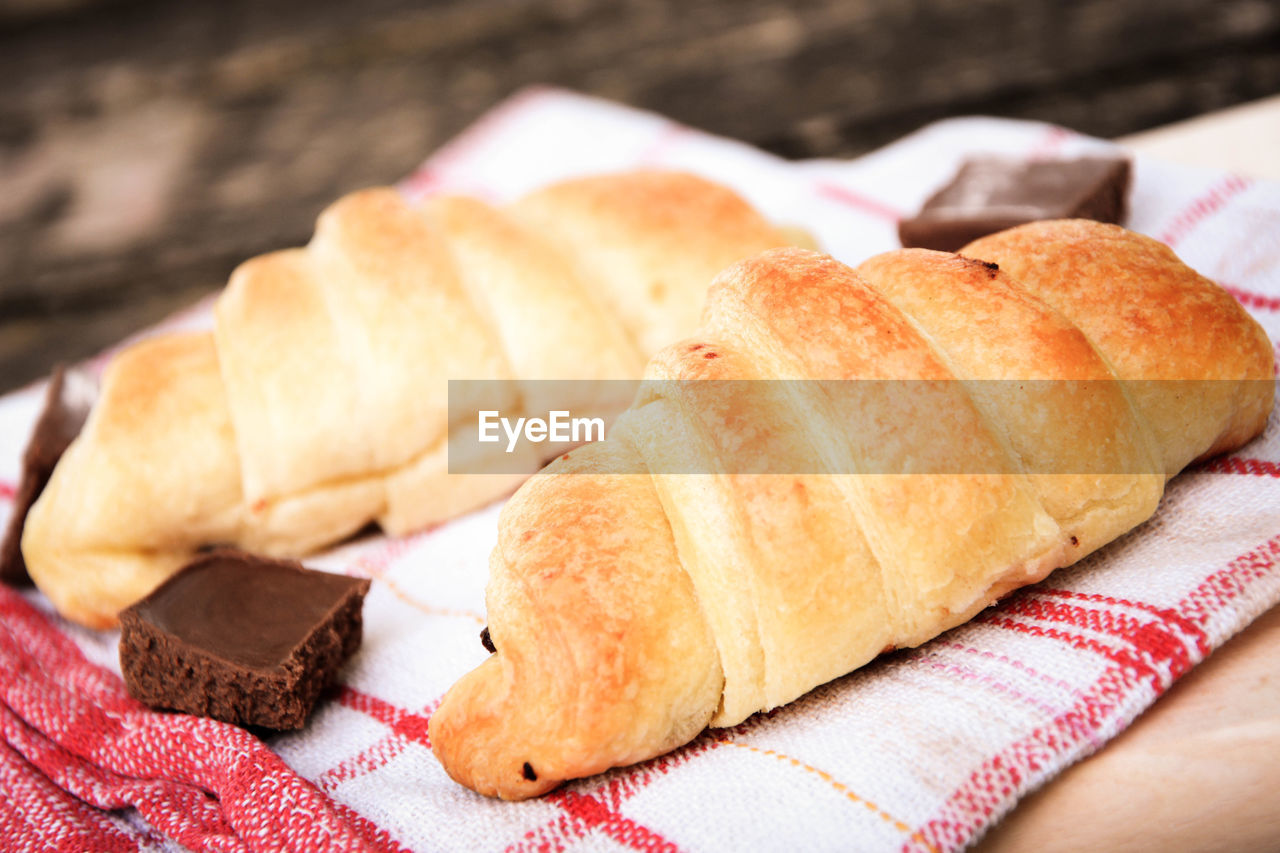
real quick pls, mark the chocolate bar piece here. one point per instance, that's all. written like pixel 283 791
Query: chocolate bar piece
pixel 67 402
pixel 241 638
pixel 990 194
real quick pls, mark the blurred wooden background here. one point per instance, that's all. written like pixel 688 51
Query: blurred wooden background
pixel 146 147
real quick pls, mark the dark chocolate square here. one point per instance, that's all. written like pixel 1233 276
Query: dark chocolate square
pixel 241 638
pixel 990 194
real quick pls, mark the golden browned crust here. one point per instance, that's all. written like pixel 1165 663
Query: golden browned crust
pixel 1137 303
pixel 325 379
pixel 763 585
pixel 650 258
pixel 162 406
pixel 608 652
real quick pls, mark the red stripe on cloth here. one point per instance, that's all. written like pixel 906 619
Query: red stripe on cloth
pixel 615 788
pixel 992 786
pixel 858 201
pixel 582 815
pixel 589 813
pixel 373 836
pixel 83 710
pixel 404 727
pixel 1156 643
pixel 7 490
pixel 45 649
pixel 35 814
pixel 202 823
pixel 368 760
pixel 1203 207
pixel 1237 465
pixel 996 685
pixel 1119 656
pixel 405 723
pixel 995 782
pixel 1226 584
pixel 1249 299
pixel 183 812
pixel 1021 666
pixel 1168 614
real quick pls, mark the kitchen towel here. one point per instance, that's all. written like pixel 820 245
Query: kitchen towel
pixel 921 750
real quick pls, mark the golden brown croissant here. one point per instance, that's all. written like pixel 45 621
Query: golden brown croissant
pixel 320 402
pixel 629 610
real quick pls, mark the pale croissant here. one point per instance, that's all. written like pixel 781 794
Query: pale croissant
pixel 629 611
pixel 319 402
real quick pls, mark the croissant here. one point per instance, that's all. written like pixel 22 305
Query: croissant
pixel 643 587
pixel 319 402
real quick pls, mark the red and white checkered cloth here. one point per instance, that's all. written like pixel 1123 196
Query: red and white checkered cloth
pixel 921 750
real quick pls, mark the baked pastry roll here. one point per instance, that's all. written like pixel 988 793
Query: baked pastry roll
pixel 921 436
pixel 319 402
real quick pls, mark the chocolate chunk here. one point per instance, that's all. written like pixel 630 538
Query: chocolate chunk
pixel 487 641
pixel 67 402
pixel 241 638
pixel 990 194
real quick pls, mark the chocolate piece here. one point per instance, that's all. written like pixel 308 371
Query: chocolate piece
pixel 67 402
pixel 990 194
pixel 241 638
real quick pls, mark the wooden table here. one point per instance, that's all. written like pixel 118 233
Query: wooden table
pixel 147 147
pixel 1200 770
pixel 1244 139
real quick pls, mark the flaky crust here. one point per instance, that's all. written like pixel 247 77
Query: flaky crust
pixel 835 550
pixel 1127 292
pixel 319 403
